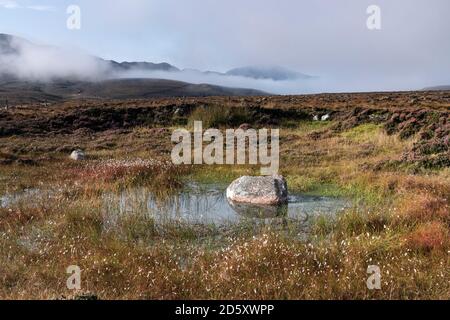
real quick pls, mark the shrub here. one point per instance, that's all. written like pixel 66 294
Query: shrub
pixel 423 207
pixel 216 116
pixel 429 236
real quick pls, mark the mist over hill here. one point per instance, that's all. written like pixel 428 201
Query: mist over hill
pixel 437 88
pixel 32 72
pixel 21 59
pixel 13 91
pixel 263 72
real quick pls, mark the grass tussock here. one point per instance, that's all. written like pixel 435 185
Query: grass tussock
pixel 162 176
pixel 264 266
pixel 216 116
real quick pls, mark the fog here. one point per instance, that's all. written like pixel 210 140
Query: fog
pixel 33 62
pixel 28 61
pixel 326 39
pixel 46 63
pixel 317 84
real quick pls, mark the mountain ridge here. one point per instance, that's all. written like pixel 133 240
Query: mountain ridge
pixel 275 73
pixel 111 79
pixel 437 88
pixel 11 45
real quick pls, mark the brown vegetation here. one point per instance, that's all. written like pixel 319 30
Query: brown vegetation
pixel 388 152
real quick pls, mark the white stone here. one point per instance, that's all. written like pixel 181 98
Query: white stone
pixel 78 155
pixel 263 190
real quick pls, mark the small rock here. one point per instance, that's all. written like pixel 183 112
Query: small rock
pixel 268 190
pixel 78 155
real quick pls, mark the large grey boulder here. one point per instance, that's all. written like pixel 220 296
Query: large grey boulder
pixel 78 155
pixel 269 190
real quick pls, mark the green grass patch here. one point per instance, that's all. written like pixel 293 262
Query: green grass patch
pixel 362 132
pixel 303 127
pixel 221 174
pixel 216 116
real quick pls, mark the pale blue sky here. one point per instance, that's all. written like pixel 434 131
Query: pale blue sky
pixel 319 37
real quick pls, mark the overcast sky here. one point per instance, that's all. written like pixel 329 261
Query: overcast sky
pixel 325 38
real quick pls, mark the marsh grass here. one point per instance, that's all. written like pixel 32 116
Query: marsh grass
pixel 220 174
pixel 141 260
pixel 306 127
pixel 161 177
pixel 401 224
pixel 362 133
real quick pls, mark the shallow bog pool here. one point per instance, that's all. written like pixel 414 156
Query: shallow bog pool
pixel 208 204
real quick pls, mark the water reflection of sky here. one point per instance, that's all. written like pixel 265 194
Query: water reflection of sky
pixel 207 204
pixel 197 204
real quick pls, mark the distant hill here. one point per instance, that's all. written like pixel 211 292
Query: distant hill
pixel 273 73
pixel 142 66
pixel 6 44
pixel 42 72
pixel 18 92
pixel 437 88
pixel 148 88
pixel 106 78
pixel 12 46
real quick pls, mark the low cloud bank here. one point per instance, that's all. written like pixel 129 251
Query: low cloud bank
pixel 27 61
pixel 318 84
